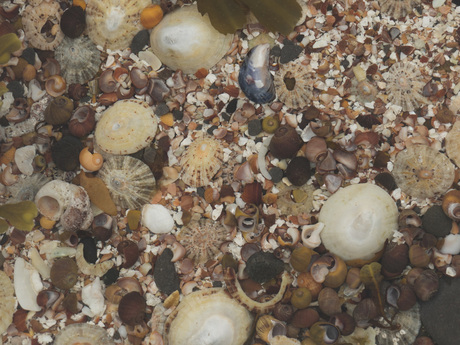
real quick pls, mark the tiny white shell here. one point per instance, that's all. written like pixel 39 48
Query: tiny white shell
pixel 157 218
pixel 27 285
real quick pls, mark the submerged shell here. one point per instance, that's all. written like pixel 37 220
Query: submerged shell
pixel 79 59
pixel 129 180
pixel 398 8
pixel 357 221
pixel 113 23
pixel 83 333
pixel 126 127
pixel 453 143
pixel 404 85
pixel 423 172
pixel 36 20
pixel 201 161
pixel 288 205
pixel 186 40
pixel 409 327
pixel 208 317
pixel 27 187
pixel 7 302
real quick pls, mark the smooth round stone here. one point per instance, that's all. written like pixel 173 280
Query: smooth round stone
pixel 263 266
pixel 157 218
pixel 436 222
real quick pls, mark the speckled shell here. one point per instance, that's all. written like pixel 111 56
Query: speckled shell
pixel 420 159
pixel 186 40
pixel 79 59
pixel 126 127
pixel 113 23
pixel 83 333
pixel 453 143
pixel 397 8
pixel 410 324
pixel 129 180
pixel 201 161
pixel 7 302
pixel 33 20
pixel 208 317
pixel 404 85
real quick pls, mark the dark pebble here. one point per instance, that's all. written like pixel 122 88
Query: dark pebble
pixel 386 180
pixel 165 274
pixel 276 174
pixel 65 153
pixel 254 127
pixel 435 222
pixel 200 191
pixel 29 55
pixel 289 52
pixel 161 109
pixel 298 171
pixel 178 114
pixel 16 88
pixel 89 249
pixel 225 116
pixel 111 276
pixel 263 266
pixel 345 63
pixel 276 51
pixel 231 106
pixel 299 38
pixel 139 41
pixel 441 314
pixel 211 130
pixel 394 33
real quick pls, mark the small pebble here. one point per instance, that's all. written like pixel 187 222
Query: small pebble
pixel 394 33
pixel 254 127
pixel 263 266
pixel 165 274
pixel 178 114
pixel 211 130
pixel 111 276
pixel 276 174
pixel 276 51
pixel 16 88
pixel 89 249
pixel 289 52
pixel 231 106
pixel 435 222
pixel 139 41
pixel 386 180
pixel 29 55
pixel 161 109
pixel 225 116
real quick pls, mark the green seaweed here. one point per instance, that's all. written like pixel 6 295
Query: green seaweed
pixel 20 215
pixel 227 16
pixel 9 43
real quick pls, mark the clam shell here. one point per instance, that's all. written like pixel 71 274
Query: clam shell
pixel 208 317
pixel 27 285
pixel 83 333
pixel 186 40
pixel 453 143
pixel 126 127
pixel 7 302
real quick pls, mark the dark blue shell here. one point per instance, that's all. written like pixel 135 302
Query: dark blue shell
pixel 257 82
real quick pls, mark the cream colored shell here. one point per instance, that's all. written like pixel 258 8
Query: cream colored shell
pixel 112 24
pixel 186 40
pixel 453 143
pixel 7 302
pixel 126 127
pixel 83 333
pixel 358 219
pixel 208 317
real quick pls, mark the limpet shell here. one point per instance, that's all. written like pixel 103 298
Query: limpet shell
pixel 126 127
pixel 453 143
pixel 83 333
pixel 423 172
pixel 7 302
pixel 208 317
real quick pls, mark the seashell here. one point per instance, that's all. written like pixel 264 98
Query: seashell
pixel 73 22
pixel 452 142
pixel 208 316
pixel 329 270
pixel 157 219
pixel 201 161
pixel 17 115
pixel 55 85
pixel 270 124
pixel 398 9
pixel 357 221
pixel 301 298
pixel 24 158
pixel 285 142
pixel 451 204
pixel 79 59
pixel 129 180
pixel 324 333
pixel 283 312
pixel 7 304
pixel 112 24
pixel 408 320
pixel 186 40
pixel 268 327
pixel 38 263
pixel 91 269
pixel 64 273
pixel 423 172
pixel 59 111
pixel 311 235
pixel 126 127
pixel 82 121
pixel 300 259
pixel 426 285
pixel 254 78
pixel 90 161
pixel 131 308
pixel 41 25
pixel 284 340
pixel 316 149
pixel 329 302
pixel 93 298
pixel 402 297
pixel 27 285
pixel 344 322
pixel 139 79
pixel 305 318
pixel 130 251
pixel 298 171
pixel 395 258
pixel 248 219
pixel 83 333
pixel 365 311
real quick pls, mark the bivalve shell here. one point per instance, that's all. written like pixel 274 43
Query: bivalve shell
pixel 27 285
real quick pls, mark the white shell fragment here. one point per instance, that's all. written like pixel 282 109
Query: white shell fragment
pixel 27 285
pixel 93 298
pixel 24 157
pixel 7 302
pixel 85 267
pixel 357 221
pixel 157 218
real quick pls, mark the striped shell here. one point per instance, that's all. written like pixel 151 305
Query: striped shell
pixel 208 317
pixel 126 127
pixel 423 172
pixel 113 23
pixel 79 59
pixel 398 8
pixel 129 181
pixel 7 302
pixel 453 143
pixel 83 333
pixel 201 161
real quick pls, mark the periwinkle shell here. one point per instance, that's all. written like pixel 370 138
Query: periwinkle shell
pixel 59 111
pixel 132 308
pixel 64 273
pixel 285 142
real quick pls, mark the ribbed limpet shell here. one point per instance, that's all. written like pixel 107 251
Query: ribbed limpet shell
pixel 423 172
pixel 113 23
pixel 129 181
pixel 126 127
pixel 208 317
pixel 201 161
pixel 7 302
pixel 83 333
pixel 34 19
pixel 453 143
pixel 398 8
pixel 186 40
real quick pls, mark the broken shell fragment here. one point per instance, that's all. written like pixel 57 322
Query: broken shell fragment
pixel 157 218
pixel 27 285
pixel 98 269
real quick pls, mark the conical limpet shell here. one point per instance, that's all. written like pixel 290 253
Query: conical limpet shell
pixel 7 302
pixel 83 333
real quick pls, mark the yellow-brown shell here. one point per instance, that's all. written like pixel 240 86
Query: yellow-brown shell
pixel 7 302
pixel 126 127
pixel 423 172
pixel 34 19
pixel 113 23
pixel 201 161
pixel 453 143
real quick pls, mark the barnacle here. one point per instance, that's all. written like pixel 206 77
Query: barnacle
pixel 79 59
pixel 129 180
pixel 398 8
pixel 294 85
pixel 404 85
pixel 423 172
pixel 293 200
pixel 203 239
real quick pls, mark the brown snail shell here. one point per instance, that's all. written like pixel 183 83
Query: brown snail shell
pixel 82 121
pixel 304 318
pixel 55 85
pixel 59 111
pixel 285 142
pixel 64 273
pixel 451 204
pixel 132 308
pixel 365 311
pixel 130 252
pixel 344 322
pixel 316 149
pixel 395 258
pixel 426 285
pixel 329 302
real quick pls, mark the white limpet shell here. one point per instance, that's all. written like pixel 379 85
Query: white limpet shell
pixel 126 127
pixel 358 219
pixel 186 40
pixel 7 302
pixel 157 218
pixel 83 333
pixel 27 285
pixel 208 317
pixel 451 244
pixel 24 157
pixel 85 267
